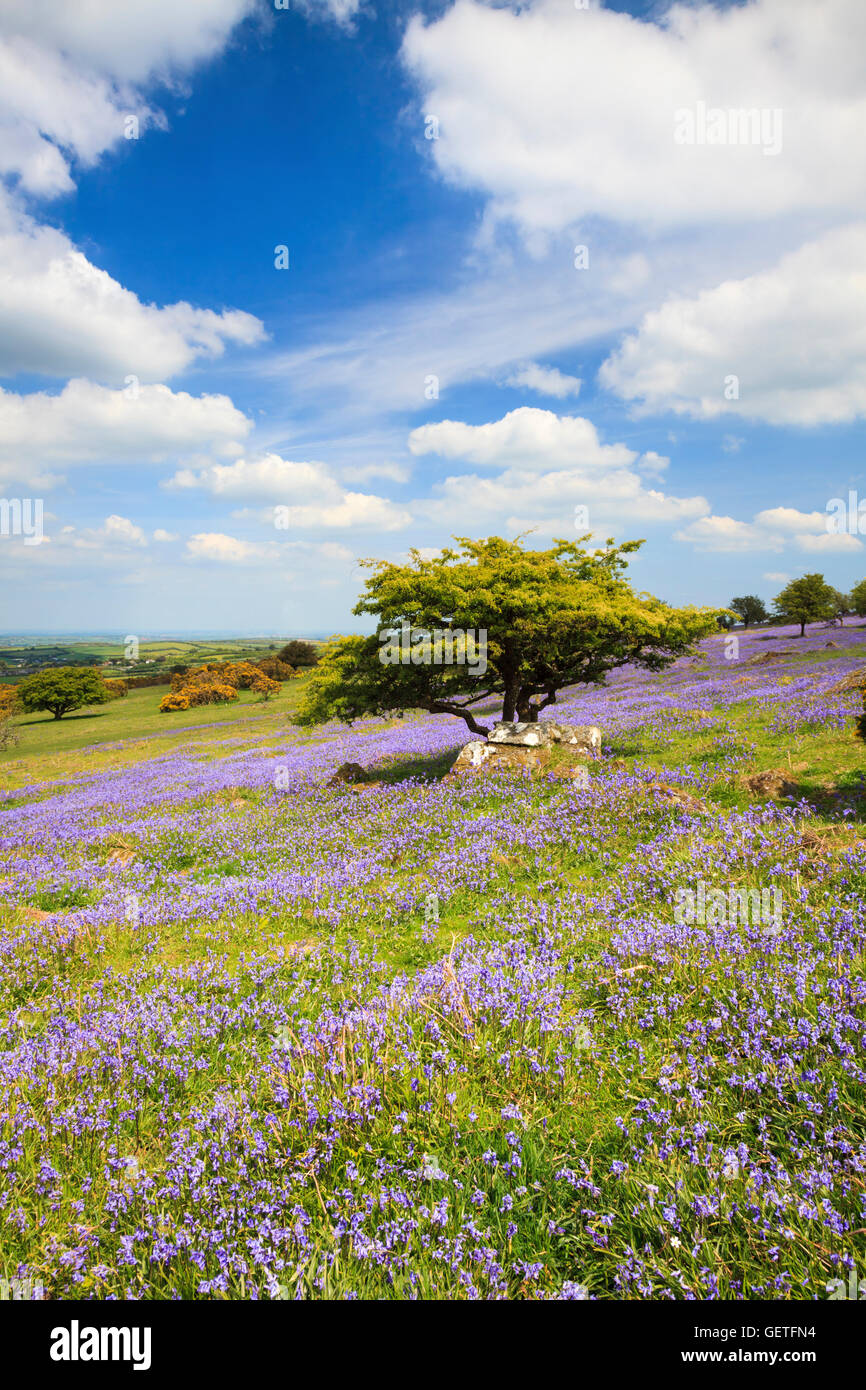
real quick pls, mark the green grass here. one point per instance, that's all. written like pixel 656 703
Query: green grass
pixel 50 747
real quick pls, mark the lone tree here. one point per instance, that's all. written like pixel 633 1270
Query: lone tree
pixel 750 609
pixel 492 621
pixel 297 653
pixel 62 689
pixel 806 600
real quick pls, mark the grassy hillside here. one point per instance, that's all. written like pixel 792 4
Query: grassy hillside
pixel 265 1036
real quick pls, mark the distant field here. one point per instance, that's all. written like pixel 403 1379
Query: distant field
pixel 19 661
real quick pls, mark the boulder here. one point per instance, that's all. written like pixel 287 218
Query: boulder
pixel 774 782
pixel 499 756
pixel 348 773
pixel 582 737
pixel 521 735
pixel 545 732
pixel 677 797
pixel 855 680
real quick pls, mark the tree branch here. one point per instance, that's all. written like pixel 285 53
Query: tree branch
pixel 442 707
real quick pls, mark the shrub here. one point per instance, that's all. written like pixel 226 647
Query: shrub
pixel 174 700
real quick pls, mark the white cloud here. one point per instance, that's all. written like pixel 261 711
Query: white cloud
pixel 120 528
pixel 62 316
pixel 86 423
pixel 68 76
pixel 164 536
pixel 115 531
pixel 755 329
pixel 790 519
pixel 225 550
pixel 830 543
pixel 526 438
pixel 777 577
pixel 558 114
pixel 771 529
pixel 546 381
pixel 313 498
pixel 354 509
pixel 536 497
pixel 550 464
pixel 724 533
pixel 271 478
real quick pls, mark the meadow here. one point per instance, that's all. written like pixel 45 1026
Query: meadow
pixel 265 1037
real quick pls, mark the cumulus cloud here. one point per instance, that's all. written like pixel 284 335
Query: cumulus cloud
pixel 546 381
pixel 310 496
pixel 67 96
pixel 684 355
pixel 526 438
pixel 225 550
pixel 272 478
pixel 558 114
pixel 771 529
pixel 91 424
pixel 549 465
pixel 69 75
pixel 724 533
pixel 115 532
pixel 62 316
pixel 354 509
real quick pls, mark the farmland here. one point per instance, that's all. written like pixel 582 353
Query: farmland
pixel 267 1037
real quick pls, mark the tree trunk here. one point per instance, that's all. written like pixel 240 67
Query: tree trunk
pixel 58 714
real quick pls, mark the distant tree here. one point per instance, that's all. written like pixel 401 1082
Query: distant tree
pixel 63 689
pixel 805 600
pixel 297 653
pixel 857 599
pixel 750 608
pixel 841 605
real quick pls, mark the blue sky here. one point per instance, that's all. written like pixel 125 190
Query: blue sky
pixel 437 358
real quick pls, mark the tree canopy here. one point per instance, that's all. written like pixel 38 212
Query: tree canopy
pixel 857 599
pixel 520 626
pixel 806 600
pixel 750 609
pixel 298 653
pixel 61 689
